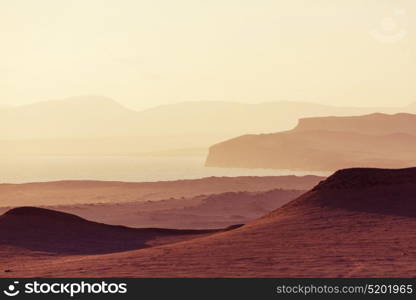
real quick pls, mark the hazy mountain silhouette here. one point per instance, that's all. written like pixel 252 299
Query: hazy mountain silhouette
pixel 95 124
pixel 328 143
pixel 78 117
pixel 356 223
pixel 376 123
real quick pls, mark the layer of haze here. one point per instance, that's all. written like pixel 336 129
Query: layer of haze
pixel 146 53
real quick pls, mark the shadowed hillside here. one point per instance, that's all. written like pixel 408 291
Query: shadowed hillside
pixel 200 212
pixel 331 143
pixel 351 225
pixel 38 229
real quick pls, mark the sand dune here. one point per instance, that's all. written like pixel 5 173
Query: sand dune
pixel 358 223
pixel 199 212
pixel 39 229
pixel 30 234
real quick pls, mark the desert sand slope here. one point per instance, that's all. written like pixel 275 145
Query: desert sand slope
pixel 29 233
pixel 358 223
pixel 199 212
pixel 82 192
pixel 377 140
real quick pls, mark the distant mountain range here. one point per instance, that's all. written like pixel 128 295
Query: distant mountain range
pixel 376 123
pixel 95 124
pixel 325 143
pixel 101 117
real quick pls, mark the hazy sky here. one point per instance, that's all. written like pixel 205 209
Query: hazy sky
pixel 145 53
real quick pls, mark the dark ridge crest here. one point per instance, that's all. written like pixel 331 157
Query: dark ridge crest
pixel 366 177
pixel 28 211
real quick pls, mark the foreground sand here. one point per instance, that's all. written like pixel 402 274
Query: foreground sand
pixel 358 223
pixel 30 234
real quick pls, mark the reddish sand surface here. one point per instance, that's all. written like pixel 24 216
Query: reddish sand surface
pixel 200 212
pixel 358 223
pixel 30 234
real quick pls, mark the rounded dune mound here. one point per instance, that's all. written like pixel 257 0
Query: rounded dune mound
pixel 46 215
pixel 45 230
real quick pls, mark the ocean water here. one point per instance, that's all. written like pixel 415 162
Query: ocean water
pixel 20 169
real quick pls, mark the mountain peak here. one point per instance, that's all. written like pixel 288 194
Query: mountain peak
pixel 375 123
pixel 90 99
